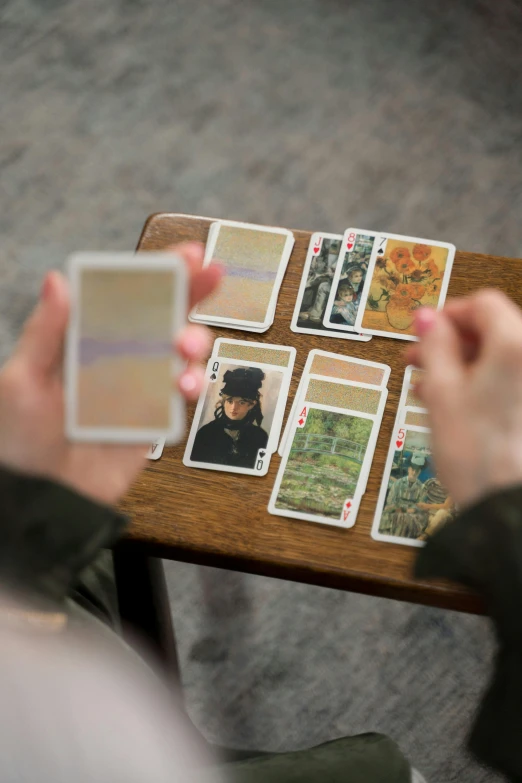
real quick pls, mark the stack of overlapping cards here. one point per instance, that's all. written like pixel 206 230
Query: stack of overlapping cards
pixel 254 259
pixel 240 411
pixel 412 502
pixel 367 282
pixel 328 444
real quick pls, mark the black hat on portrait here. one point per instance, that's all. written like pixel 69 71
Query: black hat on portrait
pixel 243 382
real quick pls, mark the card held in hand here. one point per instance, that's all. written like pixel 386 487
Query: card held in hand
pixel 120 364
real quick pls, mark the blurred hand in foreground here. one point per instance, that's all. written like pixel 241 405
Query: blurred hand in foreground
pixel 472 354
pixel 32 438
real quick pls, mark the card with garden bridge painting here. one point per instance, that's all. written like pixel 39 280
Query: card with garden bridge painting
pixel 404 274
pixel 334 365
pixel 328 454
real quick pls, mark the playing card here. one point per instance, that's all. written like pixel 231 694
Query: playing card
pixel 275 355
pixel 315 288
pixel 254 259
pixel 336 365
pixel 120 367
pixel 412 502
pixel 348 280
pixel 239 413
pixel 329 449
pixel 404 274
pixel 156 449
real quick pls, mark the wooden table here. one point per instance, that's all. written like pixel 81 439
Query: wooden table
pixel 221 519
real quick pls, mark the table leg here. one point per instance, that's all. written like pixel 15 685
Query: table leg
pixel 144 605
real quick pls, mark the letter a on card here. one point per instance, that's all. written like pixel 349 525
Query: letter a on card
pixel 301 419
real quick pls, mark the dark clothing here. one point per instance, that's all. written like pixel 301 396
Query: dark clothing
pixel 366 758
pixel 482 549
pixel 213 444
pixel 50 534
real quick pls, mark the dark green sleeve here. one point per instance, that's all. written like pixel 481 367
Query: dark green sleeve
pixel 48 535
pixel 482 549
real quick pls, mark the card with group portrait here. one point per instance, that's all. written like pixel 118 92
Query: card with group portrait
pixel 348 280
pixel 412 502
pixel 238 417
pixel 404 274
pixel 316 286
pixel 328 453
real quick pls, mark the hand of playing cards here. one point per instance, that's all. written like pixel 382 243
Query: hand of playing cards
pixel 32 392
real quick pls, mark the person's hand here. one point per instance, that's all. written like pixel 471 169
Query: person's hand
pixel 472 354
pixel 32 438
pixel 424 506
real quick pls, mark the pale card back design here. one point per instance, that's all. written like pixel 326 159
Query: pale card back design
pixel 120 362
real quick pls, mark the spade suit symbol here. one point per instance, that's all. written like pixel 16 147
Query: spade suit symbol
pixel 213 376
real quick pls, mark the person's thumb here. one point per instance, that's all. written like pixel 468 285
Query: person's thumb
pixel 440 355
pixel 41 343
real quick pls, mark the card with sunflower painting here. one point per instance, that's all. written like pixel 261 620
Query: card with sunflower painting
pixel 404 274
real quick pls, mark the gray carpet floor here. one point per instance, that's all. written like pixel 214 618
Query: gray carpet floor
pixel 403 116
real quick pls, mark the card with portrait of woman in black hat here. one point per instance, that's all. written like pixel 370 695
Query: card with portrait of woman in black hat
pixel 234 417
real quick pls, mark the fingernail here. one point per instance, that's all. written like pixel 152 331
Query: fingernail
pixel 187 383
pixel 192 347
pixel 424 320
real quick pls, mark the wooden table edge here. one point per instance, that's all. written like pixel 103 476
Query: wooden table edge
pixel 425 593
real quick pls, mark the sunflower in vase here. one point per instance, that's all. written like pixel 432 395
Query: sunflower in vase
pixel 407 279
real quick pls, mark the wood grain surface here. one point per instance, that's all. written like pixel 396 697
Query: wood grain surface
pixel 221 519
